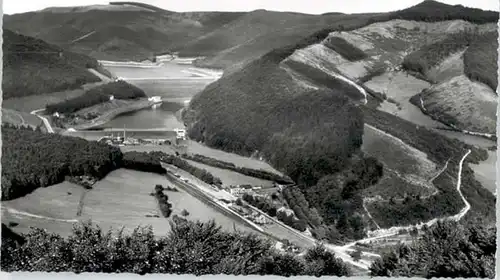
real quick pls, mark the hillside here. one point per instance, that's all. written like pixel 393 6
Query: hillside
pixel 117 32
pixel 33 67
pixel 302 108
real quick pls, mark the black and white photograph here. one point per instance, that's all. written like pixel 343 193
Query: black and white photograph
pixel 271 138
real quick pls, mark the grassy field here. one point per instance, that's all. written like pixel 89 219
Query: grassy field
pixel 450 67
pixel 19 118
pixel 104 206
pixel 406 169
pixel 229 177
pixel 197 148
pixel 58 201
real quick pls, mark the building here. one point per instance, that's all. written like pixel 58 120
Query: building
pixel 181 133
pixel 111 97
pixel 156 99
pixel 236 191
pixel 56 114
pixel 260 219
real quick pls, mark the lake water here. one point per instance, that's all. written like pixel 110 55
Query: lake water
pixel 176 84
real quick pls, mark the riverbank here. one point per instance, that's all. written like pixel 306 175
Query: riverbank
pixel 107 116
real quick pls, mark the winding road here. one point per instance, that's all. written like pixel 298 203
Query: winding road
pixel 26 214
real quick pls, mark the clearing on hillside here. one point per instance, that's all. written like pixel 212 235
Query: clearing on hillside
pixel 406 169
pixel 468 105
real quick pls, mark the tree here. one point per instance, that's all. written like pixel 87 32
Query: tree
pixel 447 249
pixel 356 255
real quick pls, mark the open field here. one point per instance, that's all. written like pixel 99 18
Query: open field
pixel 52 204
pixel 19 118
pixel 229 177
pixel 450 67
pixel 406 169
pixel 134 202
pixel 485 172
pixel 400 87
pixel 194 147
pixel 49 207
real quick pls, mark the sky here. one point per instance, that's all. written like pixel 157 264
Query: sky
pixel 303 6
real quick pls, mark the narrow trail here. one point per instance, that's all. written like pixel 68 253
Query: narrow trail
pixel 83 37
pixel 81 203
pixel 26 214
pixel 44 120
pixel 370 215
pixel 466 208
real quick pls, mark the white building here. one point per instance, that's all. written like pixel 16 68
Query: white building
pixel 155 98
pixel 111 97
pixel 56 114
pixel 236 191
pixel 181 133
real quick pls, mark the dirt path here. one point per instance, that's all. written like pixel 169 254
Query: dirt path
pixel 22 213
pixel 81 203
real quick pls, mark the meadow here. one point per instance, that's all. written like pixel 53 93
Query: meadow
pixel 102 206
pixel 231 178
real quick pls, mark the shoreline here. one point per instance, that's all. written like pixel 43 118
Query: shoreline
pixel 110 115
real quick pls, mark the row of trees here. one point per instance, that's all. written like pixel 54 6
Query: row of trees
pixel 142 161
pixel 32 159
pixel 96 95
pixel 262 174
pixel 424 59
pixel 345 49
pixel 162 199
pixel 189 248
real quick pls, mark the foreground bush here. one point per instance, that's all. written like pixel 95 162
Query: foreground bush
pixel 190 248
pixel 447 249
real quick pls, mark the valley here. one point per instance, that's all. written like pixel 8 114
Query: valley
pixel 383 124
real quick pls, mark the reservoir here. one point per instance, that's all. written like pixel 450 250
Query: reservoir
pixel 175 83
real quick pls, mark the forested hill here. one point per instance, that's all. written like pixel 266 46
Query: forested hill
pixel 289 107
pixel 32 66
pixel 118 31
